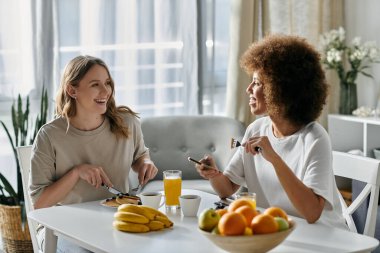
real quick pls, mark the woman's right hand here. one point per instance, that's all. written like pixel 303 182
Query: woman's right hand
pixel 92 174
pixel 208 168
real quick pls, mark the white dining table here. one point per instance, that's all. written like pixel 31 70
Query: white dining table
pixel 90 226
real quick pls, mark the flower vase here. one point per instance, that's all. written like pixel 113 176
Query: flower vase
pixel 348 97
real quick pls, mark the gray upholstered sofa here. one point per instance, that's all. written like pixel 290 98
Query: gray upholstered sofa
pixel 171 139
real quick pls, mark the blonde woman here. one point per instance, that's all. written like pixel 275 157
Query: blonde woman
pixel 90 142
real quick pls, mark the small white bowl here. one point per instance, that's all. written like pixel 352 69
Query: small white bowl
pixel 250 243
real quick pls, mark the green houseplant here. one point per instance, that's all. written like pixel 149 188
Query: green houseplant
pixel 22 137
pixel 12 209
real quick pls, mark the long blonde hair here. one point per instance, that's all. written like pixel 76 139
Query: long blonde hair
pixel 74 71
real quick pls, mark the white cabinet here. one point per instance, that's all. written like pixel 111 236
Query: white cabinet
pixel 351 132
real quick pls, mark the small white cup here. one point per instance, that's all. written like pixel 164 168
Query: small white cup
pixel 189 204
pixel 152 199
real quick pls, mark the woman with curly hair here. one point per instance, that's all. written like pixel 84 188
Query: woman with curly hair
pixel 91 142
pixel 286 156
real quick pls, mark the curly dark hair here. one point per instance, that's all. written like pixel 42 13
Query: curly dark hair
pixel 294 82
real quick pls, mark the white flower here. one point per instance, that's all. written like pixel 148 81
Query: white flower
pixel 372 50
pixel 342 34
pixel 334 56
pixel 358 55
pixel 374 54
pixel 356 41
pixel 362 111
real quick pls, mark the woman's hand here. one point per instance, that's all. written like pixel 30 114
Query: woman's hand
pixel 260 145
pixel 146 171
pixel 208 168
pixel 92 174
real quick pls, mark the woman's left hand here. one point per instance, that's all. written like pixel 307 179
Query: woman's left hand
pixel 260 145
pixel 147 171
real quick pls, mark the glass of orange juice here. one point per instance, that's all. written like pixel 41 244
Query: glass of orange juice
pixel 172 188
pixel 248 195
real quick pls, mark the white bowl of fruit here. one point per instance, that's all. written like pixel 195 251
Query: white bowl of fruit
pixel 241 228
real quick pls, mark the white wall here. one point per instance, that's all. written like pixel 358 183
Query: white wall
pixel 362 18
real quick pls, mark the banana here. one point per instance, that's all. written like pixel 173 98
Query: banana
pixel 130 217
pixel 137 210
pixel 155 225
pixel 153 211
pixel 167 223
pixel 130 227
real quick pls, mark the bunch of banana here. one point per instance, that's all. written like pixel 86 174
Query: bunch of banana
pixel 140 219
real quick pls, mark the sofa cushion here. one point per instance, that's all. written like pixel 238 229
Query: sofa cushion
pixel 172 139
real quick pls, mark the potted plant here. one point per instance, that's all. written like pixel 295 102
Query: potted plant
pixel 348 60
pixel 12 210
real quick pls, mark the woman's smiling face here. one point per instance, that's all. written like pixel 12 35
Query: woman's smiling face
pixel 255 90
pixel 93 91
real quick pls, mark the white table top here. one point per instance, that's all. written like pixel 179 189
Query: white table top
pixel 90 225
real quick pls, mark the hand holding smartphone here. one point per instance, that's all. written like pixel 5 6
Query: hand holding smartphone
pixel 205 166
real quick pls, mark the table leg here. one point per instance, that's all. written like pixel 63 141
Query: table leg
pixel 50 241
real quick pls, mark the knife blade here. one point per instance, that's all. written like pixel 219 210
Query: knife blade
pixel 113 190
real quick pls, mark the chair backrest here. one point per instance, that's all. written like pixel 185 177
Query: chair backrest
pixel 171 139
pixel 24 156
pixel 364 169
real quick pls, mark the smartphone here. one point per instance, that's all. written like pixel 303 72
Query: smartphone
pixel 205 166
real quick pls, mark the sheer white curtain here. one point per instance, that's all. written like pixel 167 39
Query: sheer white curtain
pixel 245 26
pixel 307 18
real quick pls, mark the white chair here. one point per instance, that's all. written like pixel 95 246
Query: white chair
pixel 364 169
pixel 24 157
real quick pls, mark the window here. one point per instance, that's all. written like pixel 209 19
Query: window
pixel 167 57
pixel 152 49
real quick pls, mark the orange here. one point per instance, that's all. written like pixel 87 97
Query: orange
pixel 276 212
pixel 238 203
pixel 232 224
pixel 247 212
pixel 221 212
pixel 264 224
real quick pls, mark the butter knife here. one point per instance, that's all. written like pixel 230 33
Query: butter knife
pixel 113 190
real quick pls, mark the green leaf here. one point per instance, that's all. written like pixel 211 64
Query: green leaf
pixel 21 127
pixel 367 75
pixel 40 119
pixel 8 187
pixel 14 123
pixel 10 139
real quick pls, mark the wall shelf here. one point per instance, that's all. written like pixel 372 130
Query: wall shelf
pixel 352 132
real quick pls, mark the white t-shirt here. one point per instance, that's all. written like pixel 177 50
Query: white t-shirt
pixel 308 154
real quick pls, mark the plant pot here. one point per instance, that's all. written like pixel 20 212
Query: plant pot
pixel 348 98
pixel 15 235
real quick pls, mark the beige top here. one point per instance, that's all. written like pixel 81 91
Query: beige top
pixel 56 152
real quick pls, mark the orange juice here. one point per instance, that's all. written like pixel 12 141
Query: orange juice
pixel 172 188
